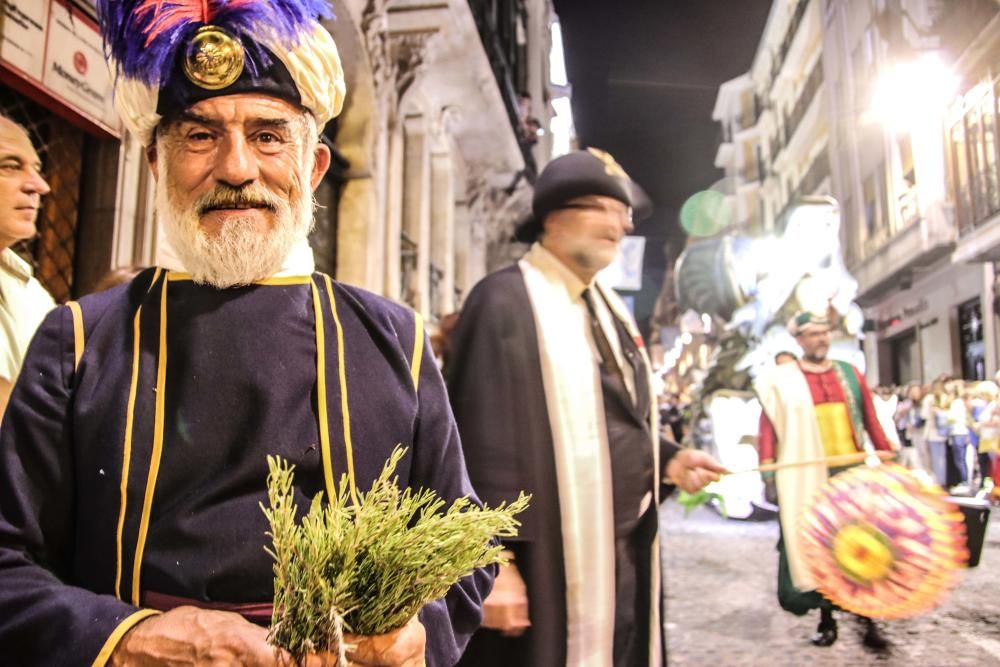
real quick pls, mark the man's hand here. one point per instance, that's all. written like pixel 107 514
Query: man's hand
pixel 400 648
pixel 770 490
pixel 189 636
pixel 506 607
pixel 691 469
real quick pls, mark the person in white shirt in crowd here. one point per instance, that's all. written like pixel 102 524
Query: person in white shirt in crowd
pixel 915 428
pixel 988 426
pixel 934 412
pixel 23 301
pixel 959 437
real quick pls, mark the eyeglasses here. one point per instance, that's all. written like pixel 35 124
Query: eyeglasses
pixel 600 208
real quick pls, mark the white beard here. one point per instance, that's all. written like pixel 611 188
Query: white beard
pixel 238 254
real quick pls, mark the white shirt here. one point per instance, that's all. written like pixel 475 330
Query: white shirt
pixel 574 288
pixel 23 305
pixel 958 417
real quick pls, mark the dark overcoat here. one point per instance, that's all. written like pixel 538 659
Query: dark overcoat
pixel 133 451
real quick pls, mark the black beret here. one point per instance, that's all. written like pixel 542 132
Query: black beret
pixel 270 78
pixel 579 174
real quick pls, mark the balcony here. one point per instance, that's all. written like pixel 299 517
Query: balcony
pixel 975 167
pixel 499 22
pixel 786 43
pixel 889 254
pixel 809 90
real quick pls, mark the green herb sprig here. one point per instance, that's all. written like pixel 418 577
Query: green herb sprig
pixel 691 501
pixel 368 569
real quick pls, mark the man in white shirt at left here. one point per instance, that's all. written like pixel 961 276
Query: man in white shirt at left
pixel 23 301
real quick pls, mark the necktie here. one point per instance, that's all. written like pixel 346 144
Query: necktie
pixel 608 362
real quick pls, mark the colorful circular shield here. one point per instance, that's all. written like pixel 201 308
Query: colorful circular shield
pixel 880 542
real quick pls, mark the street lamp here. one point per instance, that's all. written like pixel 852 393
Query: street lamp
pixel 909 94
pixel 911 98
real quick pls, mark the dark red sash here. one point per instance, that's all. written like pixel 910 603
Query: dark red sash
pixel 255 612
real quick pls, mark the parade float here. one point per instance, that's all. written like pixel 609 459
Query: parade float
pixel 749 287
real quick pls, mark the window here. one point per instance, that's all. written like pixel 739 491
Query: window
pixel 960 171
pixel 869 194
pixel 883 200
pixel 905 142
pixel 989 150
pixel 973 137
pixel 970 325
pixel 907 196
pixel 974 178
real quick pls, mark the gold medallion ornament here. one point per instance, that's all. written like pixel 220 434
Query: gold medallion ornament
pixel 213 59
pixel 611 166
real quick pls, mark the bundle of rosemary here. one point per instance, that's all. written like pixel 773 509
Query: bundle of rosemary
pixel 367 568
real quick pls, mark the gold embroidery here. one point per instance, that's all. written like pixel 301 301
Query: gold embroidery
pixel 610 165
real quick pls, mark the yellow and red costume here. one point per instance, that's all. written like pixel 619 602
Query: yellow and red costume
pixel 808 414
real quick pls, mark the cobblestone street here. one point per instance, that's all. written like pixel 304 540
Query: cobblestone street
pixel 722 607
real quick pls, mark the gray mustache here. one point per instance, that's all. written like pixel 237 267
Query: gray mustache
pixel 235 198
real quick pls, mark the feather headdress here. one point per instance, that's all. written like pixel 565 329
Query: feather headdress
pixel 277 42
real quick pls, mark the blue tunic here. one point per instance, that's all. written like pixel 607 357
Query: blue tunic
pixel 133 452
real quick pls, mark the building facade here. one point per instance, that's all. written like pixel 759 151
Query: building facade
pixel 891 107
pixel 894 67
pixel 433 151
pixel 774 132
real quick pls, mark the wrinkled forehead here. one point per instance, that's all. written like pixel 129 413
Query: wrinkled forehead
pixel 244 109
pixel 15 142
pixel 814 331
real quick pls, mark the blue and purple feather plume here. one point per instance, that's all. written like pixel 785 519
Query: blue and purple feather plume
pixel 143 35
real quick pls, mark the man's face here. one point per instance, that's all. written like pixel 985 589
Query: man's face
pixel 21 185
pixel 586 231
pixel 815 342
pixel 235 176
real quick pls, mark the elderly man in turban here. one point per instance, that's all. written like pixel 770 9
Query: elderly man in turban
pixel 815 409
pixel 133 456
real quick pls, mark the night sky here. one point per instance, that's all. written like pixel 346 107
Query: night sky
pixel 645 74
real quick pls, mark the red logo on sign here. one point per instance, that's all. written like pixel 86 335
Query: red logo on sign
pixel 80 62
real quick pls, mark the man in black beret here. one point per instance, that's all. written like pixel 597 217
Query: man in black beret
pixel 550 384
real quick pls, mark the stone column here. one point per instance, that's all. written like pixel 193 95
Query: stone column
pixel 463 241
pixel 135 228
pixel 989 320
pixel 416 209
pixel 393 215
pixel 443 231
pixel 356 237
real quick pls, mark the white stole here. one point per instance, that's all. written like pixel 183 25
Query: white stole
pixel 785 396
pixel 583 467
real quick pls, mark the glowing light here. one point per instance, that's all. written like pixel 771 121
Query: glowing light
pixel 905 95
pixel 686 338
pixel 707 213
pixel 563 130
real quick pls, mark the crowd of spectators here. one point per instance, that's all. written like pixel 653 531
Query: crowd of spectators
pixel 951 429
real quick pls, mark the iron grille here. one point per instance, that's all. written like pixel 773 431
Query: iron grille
pixel 60 147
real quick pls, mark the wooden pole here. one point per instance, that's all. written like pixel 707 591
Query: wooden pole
pixel 837 460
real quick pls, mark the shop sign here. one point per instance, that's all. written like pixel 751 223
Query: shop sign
pixel 75 68
pixel 24 23
pixel 902 313
pixel 59 50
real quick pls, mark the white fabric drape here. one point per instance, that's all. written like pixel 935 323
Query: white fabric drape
pixel 583 467
pixel 785 396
